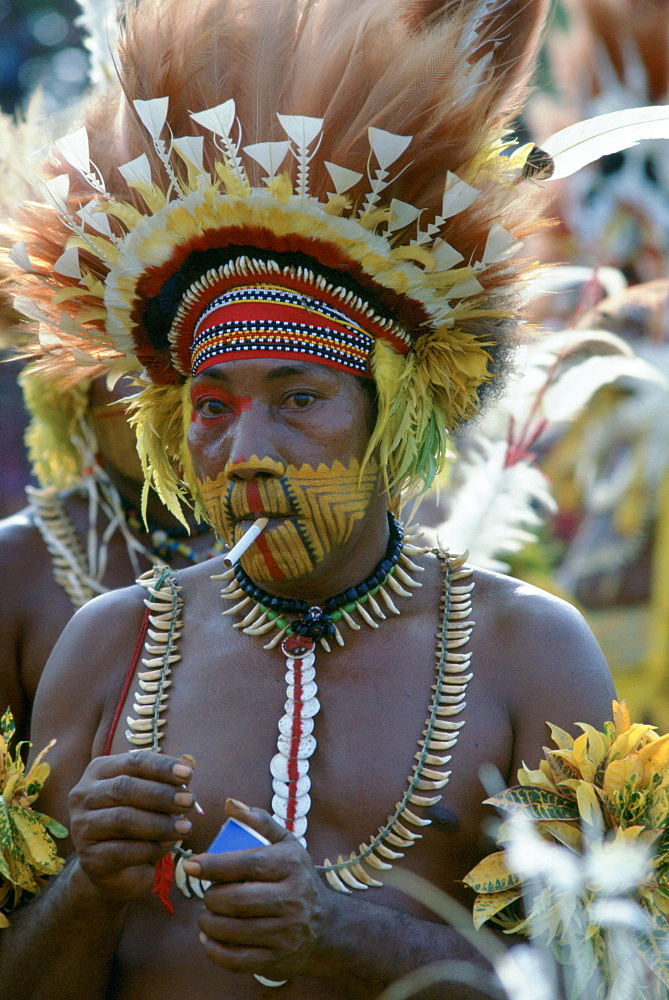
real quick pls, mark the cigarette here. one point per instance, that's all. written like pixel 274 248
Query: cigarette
pixel 245 542
pixel 196 805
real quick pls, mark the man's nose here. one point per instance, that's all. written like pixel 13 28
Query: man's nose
pixel 252 450
pixel 253 453
pixel 243 469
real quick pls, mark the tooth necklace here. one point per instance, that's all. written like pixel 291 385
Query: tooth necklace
pixel 321 623
pixel 296 743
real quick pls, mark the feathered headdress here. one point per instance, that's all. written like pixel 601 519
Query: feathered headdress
pixel 350 152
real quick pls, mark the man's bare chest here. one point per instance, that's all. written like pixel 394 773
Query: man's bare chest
pixel 226 698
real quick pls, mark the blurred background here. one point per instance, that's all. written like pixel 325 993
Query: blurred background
pixel 40 45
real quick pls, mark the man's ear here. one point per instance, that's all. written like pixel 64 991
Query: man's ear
pixel 504 33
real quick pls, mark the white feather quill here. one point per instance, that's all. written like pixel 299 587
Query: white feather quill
pixel 495 508
pixel 99 20
pixel 577 145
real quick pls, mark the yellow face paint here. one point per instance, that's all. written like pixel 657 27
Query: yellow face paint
pixel 311 511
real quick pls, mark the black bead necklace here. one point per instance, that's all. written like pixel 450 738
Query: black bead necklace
pixel 320 622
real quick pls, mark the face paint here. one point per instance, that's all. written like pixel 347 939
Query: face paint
pixel 311 511
pixel 234 405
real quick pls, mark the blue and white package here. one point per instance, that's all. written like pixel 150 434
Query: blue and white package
pixel 236 836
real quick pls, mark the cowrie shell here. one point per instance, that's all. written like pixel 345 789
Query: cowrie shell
pixel 307 692
pixel 304 749
pixel 301 807
pixel 307 661
pixel 286 724
pixel 279 767
pixel 308 709
pixel 307 676
pixel 281 788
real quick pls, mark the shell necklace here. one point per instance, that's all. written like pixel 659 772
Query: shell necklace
pixel 296 744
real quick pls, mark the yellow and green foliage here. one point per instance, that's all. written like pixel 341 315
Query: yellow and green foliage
pixel 27 850
pixel 595 795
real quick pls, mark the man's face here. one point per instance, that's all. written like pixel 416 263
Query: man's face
pixel 284 440
pixel 117 442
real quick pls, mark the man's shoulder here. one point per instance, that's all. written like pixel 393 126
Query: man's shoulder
pixel 94 649
pixel 536 645
pixel 25 559
pixel 18 531
pixel 121 606
pixel 511 601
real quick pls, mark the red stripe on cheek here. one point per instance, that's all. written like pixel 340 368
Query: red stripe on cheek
pixel 270 561
pixel 253 495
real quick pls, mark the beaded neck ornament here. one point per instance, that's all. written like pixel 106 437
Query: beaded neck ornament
pixel 320 624
pixel 165 545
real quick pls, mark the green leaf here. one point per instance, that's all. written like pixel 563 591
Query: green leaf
pixel 7 725
pixel 651 946
pixel 6 832
pixel 561 769
pixel 4 869
pixel 55 828
pixel 487 907
pixel 565 833
pixel 537 803
pixel 491 875
pixel 37 845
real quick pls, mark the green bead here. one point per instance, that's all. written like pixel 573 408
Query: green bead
pixel 349 607
pixel 280 623
pixel 336 616
pixel 273 615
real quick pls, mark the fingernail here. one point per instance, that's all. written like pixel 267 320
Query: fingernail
pixel 239 805
pixel 184 799
pixel 203 937
pixel 182 771
pixel 189 759
pixel 192 867
pixel 183 825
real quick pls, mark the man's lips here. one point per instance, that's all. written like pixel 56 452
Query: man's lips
pixel 255 516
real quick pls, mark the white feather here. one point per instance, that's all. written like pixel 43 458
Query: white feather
pixel 494 509
pixel 477 19
pixel 572 391
pixel 153 114
pixel 577 145
pixel 19 256
pixel 99 20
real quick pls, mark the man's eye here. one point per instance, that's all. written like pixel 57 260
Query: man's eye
pixel 212 407
pixel 300 400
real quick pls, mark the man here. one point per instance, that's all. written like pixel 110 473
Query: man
pixel 305 354
pixel 81 533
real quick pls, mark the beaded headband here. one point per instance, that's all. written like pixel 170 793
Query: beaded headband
pixel 288 313
pixel 272 322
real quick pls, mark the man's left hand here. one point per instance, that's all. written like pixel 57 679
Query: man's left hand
pixel 267 910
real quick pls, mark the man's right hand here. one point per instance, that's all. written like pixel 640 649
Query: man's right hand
pixel 126 812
